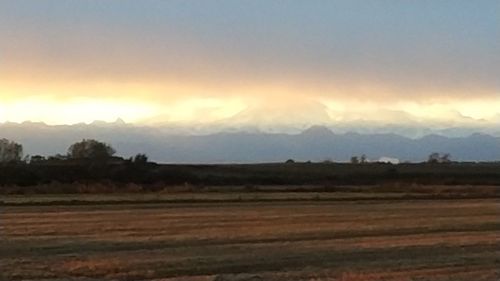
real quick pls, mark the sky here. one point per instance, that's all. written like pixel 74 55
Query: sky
pixel 205 61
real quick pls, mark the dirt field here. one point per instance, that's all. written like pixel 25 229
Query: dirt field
pixel 363 240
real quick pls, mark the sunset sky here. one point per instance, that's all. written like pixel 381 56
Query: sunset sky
pixel 65 62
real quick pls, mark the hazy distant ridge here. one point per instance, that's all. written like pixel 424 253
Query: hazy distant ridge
pixel 316 144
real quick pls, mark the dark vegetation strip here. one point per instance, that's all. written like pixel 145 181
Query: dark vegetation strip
pixel 198 221
pixel 354 259
pixel 406 197
pixel 58 176
pixel 95 247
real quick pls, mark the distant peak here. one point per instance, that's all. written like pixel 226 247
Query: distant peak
pixel 317 131
pixel 117 122
pixel 33 123
pixel 434 136
pixel 98 123
pixel 27 123
pixel 480 135
pixel 120 121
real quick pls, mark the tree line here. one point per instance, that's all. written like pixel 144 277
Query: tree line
pixel 87 161
pixel 90 162
pixel 93 150
pixel 88 150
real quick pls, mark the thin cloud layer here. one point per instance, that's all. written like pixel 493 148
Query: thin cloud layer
pixel 397 56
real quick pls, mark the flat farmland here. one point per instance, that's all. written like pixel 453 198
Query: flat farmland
pixel 358 240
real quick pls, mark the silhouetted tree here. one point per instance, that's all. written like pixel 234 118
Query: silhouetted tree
pixel 90 149
pixel 433 158
pixel 363 159
pixel 359 159
pixel 436 157
pixel 446 158
pixel 37 159
pixel 328 161
pixel 57 157
pixel 355 160
pixel 141 159
pixel 10 151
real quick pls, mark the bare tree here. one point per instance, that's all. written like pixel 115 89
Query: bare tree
pixel 10 151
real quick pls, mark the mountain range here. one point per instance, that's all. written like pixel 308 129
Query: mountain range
pixel 317 143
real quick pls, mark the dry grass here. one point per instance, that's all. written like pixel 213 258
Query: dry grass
pixel 391 240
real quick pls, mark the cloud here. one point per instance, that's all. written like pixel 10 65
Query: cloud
pixel 169 52
pixel 298 113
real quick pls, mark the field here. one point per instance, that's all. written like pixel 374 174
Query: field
pixel 291 236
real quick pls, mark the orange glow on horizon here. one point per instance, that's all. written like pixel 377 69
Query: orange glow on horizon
pixel 75 102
